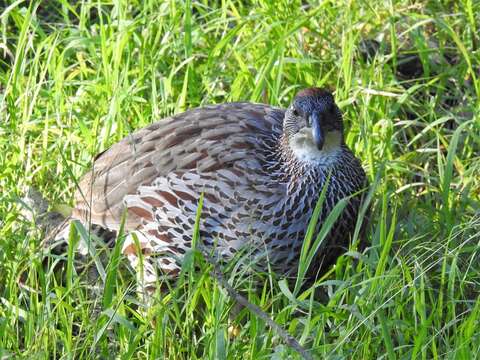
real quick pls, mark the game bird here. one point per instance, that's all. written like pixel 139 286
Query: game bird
pixel 259 168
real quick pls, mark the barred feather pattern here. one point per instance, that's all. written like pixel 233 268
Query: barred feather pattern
pixel 257 195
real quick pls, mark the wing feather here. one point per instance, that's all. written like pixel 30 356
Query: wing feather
pixel 199 141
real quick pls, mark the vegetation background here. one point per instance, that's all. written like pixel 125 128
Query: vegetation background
pixel 77 76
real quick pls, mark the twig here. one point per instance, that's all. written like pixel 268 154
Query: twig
pixel 286 337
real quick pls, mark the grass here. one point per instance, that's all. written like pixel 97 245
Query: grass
pixel 76 77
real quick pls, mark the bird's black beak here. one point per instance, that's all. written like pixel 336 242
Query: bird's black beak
pixel 317 133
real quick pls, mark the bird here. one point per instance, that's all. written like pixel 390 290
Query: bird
pixel 259 169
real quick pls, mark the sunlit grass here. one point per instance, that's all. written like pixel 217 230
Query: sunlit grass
pixel 75 78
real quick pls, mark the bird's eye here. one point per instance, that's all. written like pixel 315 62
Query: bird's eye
pixel 295 112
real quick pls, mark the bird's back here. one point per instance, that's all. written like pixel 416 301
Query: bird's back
pixel 201 146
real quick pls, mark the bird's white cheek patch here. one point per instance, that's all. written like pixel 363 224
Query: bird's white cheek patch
pixel 305 149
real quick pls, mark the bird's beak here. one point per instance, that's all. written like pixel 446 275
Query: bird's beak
pixel 317 133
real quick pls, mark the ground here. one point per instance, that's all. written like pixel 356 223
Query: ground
pixel 77 76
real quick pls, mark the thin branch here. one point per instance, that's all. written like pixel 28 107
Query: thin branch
pixel 286 337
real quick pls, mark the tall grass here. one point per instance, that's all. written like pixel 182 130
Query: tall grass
pixel 77 76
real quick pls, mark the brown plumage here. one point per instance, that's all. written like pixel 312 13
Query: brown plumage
pixel 260 168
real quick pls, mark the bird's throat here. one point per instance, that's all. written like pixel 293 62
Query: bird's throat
pixel 304 148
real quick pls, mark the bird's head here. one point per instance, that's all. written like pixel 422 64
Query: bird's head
pixel 313 125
